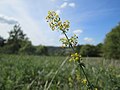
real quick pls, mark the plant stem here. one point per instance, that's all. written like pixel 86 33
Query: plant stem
pixel 89 84
pixel 69 42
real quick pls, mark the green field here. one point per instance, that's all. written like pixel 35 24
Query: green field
pixel 36 72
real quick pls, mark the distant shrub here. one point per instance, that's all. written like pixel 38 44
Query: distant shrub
pixel 41 50
pixel 27 49
pixel 111 46
pixel 89 50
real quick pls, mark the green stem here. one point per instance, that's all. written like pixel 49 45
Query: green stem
pixel 69 42
pixel 89 84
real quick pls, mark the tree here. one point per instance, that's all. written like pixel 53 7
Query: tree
pixel 27 48
pixel 112 44
pixel 99 49
pixel 2 41
pixel 89 50
pixel 78 48
pixel 16 37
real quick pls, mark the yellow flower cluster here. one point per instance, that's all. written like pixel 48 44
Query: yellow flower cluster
pixel 73 41
pixel 96 89
pixel 70 81
pixel 84 81
pixel 55 23
pixel 75 57
pixel 64 42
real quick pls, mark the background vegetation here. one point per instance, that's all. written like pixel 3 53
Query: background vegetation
pixel 19 43
pixel 27 67
pixel 35 73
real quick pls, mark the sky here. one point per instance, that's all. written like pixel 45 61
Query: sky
pixel 91 20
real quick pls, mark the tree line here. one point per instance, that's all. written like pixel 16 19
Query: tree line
pixel 19 43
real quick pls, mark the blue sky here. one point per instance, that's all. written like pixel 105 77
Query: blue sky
pixel 91 20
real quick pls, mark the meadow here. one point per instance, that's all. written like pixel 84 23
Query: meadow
pixel 24 72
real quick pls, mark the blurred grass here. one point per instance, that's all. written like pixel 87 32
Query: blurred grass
pixel 35 72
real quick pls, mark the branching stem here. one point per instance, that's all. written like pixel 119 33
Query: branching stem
pixel 81 67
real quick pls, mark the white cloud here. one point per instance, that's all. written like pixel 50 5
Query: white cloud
pixel 64 5
pixel 58 11
pixel 88 40
pixel 8 20
pixel 72 5
pixel 4 29
pixel 77 32
pixel 36 29
pixel 29 26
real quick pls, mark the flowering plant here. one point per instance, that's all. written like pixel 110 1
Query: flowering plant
pixel 55 23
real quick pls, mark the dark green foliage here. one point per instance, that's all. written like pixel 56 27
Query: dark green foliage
pixel 26 72
pixel 16 37
pixel 9 49
pixel 78 47
pixel 27 49
pixel 99 49
pixel 2 44
pixel 41 50
pixel 89 51
pixel 112 43
pixel 2 41
pixel 58 51
pixel 18 43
